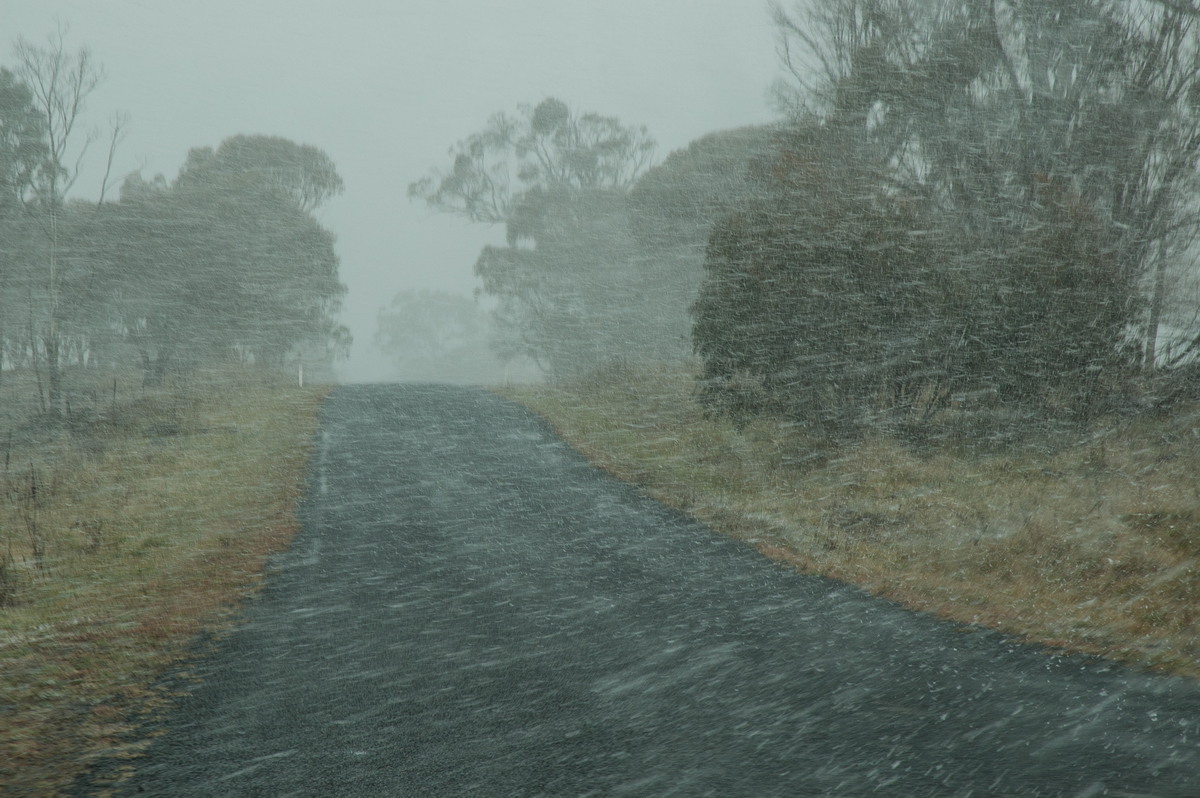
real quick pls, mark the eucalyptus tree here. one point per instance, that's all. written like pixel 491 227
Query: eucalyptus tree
pixel 557 180
pixel 567 282
pixel 302 173
pixel 544 147
pixel 283 271
pixel 229 256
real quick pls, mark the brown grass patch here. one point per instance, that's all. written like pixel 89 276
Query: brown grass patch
pixel 125 534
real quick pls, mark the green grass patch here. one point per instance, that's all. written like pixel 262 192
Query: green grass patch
pixel 126 531
pixel 1091 546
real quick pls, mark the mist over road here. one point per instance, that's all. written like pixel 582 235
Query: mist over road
pixel 470 609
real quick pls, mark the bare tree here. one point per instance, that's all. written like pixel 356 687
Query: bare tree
pixel 61 82
pixel 118 128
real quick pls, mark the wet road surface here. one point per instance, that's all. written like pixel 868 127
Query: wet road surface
pixel 470 609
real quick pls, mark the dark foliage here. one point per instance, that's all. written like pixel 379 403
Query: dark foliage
pixel 967 224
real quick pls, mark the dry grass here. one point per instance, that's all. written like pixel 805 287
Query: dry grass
pixel 123 535
pixel 1094 547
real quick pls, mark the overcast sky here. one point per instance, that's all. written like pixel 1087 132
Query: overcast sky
pixel 385 87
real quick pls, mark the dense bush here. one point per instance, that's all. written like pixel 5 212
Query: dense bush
pixel 960 215
pixel 836 306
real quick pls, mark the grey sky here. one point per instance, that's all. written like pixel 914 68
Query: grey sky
pixel 386 86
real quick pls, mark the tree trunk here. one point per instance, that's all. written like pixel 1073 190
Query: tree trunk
pixel 1156 306
pixel 54 375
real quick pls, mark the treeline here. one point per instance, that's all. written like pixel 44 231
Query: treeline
pixel 984 206
pixel 604 255
pixel 225 261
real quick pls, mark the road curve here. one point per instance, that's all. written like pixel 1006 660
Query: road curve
pixel 470 609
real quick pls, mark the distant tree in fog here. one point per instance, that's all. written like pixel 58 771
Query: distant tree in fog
pixel 567 282
pixel 436 336
pixel 673 207
pixel 543 147
pixel 557 181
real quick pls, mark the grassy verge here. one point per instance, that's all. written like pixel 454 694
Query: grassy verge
pixel 1093 548
pixel 123 534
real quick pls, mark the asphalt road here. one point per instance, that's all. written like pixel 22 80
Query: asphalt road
pixel 470 609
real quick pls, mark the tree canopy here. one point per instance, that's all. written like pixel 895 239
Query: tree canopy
pixel 259 164
pixel 557 181
pixel 229 256
pixel 22 141
pixel 543 147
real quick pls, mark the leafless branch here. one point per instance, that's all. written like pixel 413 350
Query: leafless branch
pixel 117 131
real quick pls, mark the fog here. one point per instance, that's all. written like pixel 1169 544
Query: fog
pixel 765 399
pixel 386 88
